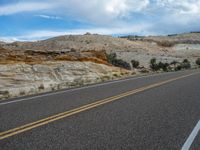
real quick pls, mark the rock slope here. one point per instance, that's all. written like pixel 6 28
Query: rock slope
pixel 164 48
pixel 24 72
pixel 24 79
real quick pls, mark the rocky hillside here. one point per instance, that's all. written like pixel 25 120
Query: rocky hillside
pixel 185 38
pixel 167 48
pixel 74 60
pixel 24 72
pixel 76 43
pixel 164 48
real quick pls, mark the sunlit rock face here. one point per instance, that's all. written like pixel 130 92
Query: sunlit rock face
pixel 24 79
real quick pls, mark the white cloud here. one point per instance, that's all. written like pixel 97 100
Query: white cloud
pixel 179 12
pixel 113 16
pixel 101 11
pixel 23 7
pixel 48 17
pixel 180 6
pixel 86 10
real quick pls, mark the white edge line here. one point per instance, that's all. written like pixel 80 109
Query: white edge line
pixel 80 88
pixel 192 137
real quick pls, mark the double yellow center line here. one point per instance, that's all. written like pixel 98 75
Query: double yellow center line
pixel 24 128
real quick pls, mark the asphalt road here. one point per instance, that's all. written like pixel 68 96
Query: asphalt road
pixel 155 112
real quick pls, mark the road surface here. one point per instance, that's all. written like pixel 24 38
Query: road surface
pixel 155 112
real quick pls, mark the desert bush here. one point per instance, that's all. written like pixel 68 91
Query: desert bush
pixel 153 61
pixel 112 59
pixel 163 66
pixel 174 63
pixel 121 63
pixel 185 61
pixel 165 43
pixel 158 66
pixel 198 62
pixel 186 64
pixel 153 65
pixel 22 93
pixel 41 87
pixel 135 63
pixel 178 68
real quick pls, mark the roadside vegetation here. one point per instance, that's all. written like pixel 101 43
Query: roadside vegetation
pixel 174 65
pixel 112 59
pixel 154 64
pixel 183 65
pixel 159 66
pixel 135 63
pixel 198 62
pixel 166 43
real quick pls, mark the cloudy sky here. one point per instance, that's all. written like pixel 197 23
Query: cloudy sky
pixel 40 19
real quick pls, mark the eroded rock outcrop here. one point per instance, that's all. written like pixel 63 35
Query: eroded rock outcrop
pixel 30 72
pixel 24 79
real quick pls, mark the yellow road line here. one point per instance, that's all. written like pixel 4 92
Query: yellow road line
pixel 59 116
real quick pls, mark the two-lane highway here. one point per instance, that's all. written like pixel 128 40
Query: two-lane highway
pixel 154 112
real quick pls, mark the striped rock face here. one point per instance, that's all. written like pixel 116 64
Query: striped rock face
pixel 24 79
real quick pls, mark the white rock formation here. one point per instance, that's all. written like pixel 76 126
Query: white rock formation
pixel 24 79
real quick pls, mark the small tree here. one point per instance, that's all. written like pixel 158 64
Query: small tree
pixel 111 57
pixel 198 62
pixel 186 64
pixel 185 61
pixel 153 65
pixel 135 63
pixel 153 61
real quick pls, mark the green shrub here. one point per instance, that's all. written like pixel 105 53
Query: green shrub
pixel 163 66
pixel 186 64
pixel 153 61
pixel 174 63
pixel 135 63
pixel 121 63
pixel 166 43
pixel 153 65
pixel 178 68
pixel 112 59
pixel 185 61
pixel 158 66
pixel 41 87
pixel 22 93
pixel 198 62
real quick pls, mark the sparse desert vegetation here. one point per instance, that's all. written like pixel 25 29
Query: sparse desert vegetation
pixel 174 65
pixel 112 59
pixel 135 63
pixel 165 43
pixel 198 62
